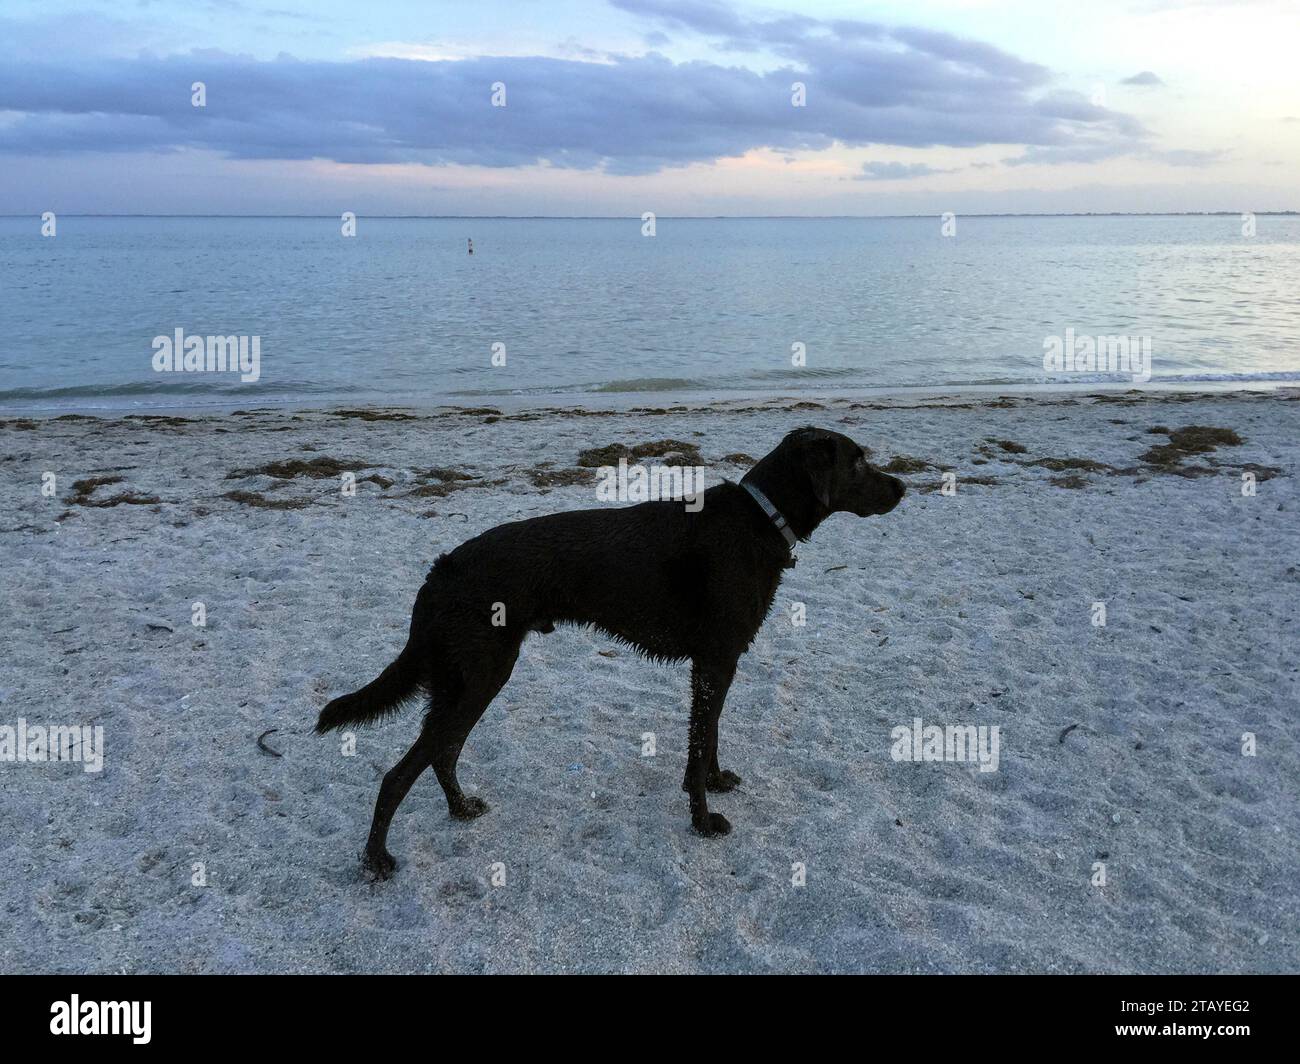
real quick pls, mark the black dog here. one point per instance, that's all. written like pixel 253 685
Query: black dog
pixel 672 583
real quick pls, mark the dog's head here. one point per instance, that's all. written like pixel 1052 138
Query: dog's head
pixel 838 472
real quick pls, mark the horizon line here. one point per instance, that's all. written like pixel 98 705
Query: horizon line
pixel 689 217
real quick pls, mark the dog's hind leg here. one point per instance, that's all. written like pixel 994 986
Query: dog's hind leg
pixel 709 685
pixel 377 860
pixel 446 726
pixel 449 727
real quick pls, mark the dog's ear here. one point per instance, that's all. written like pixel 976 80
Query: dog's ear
pixel 819 462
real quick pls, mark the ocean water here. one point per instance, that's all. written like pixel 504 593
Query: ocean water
pixel 401 313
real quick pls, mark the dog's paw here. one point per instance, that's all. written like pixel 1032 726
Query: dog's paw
pixel 468 809
pixel 722 781
pixel 378 866
pixel 713 825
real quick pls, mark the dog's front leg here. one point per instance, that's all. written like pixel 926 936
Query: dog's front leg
pixel 709 685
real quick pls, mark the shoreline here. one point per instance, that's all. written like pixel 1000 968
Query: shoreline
pixel 686 399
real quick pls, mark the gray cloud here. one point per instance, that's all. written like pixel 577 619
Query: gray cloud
pixel 1100 151
pixel 866 84
pixel 1144 77
pixel 1187 156
pixel 887 171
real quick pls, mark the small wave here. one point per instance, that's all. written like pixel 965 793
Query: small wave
pixel 1278 375
pixel 1164 378
pixel 853 378
pixel 164 387
pixel 649 384
pixel 793 373
pixel 177 392
pixel 727 383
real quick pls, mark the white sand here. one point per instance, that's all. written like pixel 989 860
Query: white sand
pixel 966 609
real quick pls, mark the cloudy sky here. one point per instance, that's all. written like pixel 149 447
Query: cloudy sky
pixel 614 107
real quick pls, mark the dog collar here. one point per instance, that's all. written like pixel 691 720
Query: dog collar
pixel 773 514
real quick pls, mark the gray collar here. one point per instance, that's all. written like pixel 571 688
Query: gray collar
pixel 773 514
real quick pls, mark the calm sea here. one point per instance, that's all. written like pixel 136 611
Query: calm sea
pixel 400 313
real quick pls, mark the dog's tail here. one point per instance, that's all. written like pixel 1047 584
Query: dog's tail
pixel 382 696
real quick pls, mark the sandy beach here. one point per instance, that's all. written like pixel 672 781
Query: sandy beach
pixel 1124 830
